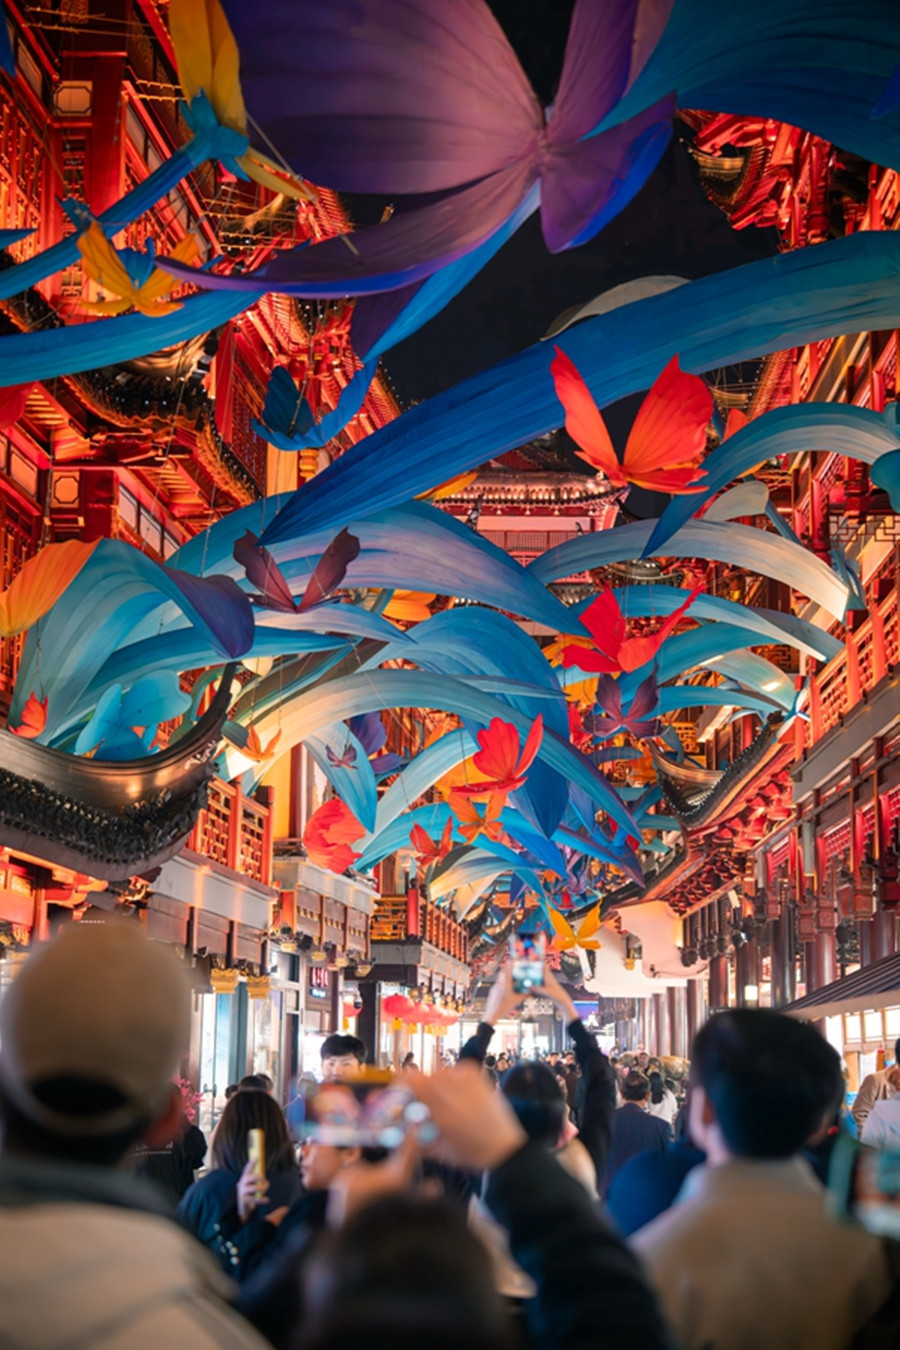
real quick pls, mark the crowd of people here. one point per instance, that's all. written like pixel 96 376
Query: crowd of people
pixel 572 1201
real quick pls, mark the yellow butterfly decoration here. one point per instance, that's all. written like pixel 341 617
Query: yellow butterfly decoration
pixel 410 606
pixel 208 62
pixel 130 275
pixel 566 938
pixel 583 692
pixel 448 489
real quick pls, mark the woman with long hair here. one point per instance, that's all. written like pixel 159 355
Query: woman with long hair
pixel 226 1208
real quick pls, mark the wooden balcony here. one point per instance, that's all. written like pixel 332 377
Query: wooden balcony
pixel 870 650
pixel 402 918
pixel 235 831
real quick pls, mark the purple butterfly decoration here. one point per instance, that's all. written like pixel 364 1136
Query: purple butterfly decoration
pixel 427 98
pixel 609 717
pixel 369 730
pixel 263 572
pixel 345 760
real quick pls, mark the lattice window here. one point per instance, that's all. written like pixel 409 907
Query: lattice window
pixel 836 842
pixel 249 448
pixel 212 830
pixel 865 816
pixel 253 829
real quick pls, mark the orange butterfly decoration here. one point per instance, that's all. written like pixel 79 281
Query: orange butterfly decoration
pixel 666 441
pixel 565 936
pixel 499 758
pixel 427 851
pixel 613 652
pixel 472 822
pixel 34 718
pixel 254 749
pixel 330 831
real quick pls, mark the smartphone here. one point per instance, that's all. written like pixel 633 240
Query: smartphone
pixel 370 1110
pixel 256 1151
pixel 529 950
pixel 864 1187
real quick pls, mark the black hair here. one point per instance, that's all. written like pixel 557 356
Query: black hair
pixel 78 1098
pixel 635 1086
pixel 403 1271
pixel 251 1109
pixel 771 1080
pixel 253 1082
pixel 230 1091
pixel 657 1087
pixel 537 1096
pixel 897 1050
pixel 336 1045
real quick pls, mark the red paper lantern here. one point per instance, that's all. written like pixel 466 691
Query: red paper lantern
pixel 351 1010
pixel 396 1006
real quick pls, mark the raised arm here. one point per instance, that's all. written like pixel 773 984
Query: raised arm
pixel 590 1288
pixel 599 1100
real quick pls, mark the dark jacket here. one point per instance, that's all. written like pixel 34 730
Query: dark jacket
pixel 647 1184
pixel 591 1291
pixel 597 1088
pixel 209 1211
pixel 597 1097
pixel 633 1132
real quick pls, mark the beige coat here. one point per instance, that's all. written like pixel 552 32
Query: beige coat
pixel 748 1258
pixel 92 1277
pixel 875 1087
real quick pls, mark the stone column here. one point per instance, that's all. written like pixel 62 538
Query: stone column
pixel 663 1026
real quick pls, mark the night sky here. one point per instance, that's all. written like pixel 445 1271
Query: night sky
pixel 671 227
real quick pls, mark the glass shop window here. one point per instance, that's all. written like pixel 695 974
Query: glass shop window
pixel 128 509
pixel 150 531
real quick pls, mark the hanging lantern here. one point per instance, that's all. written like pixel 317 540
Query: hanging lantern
pixel 396 1007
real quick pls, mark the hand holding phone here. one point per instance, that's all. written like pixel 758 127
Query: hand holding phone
pixel 253 1183
pixel 256 1151
pixel 529 951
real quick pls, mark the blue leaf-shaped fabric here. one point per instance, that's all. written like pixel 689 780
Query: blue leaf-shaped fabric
pixel 834 427
pixel 413 546
pixel 885 473
pixel 154 698
pixel 7 60
pixel 116 588
pixel 356 785
pixel 840 287
pixel 288 421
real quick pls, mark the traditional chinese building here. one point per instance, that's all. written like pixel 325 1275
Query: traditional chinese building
pixel 153 451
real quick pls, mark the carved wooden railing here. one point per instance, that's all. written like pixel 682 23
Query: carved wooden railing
pixel 838 688
pixel 235 831
pixel 400 918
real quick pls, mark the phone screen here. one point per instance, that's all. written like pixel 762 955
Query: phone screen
pixel 371 1111
pixel 528 952
pixel 256 1151
pixel 864 1187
